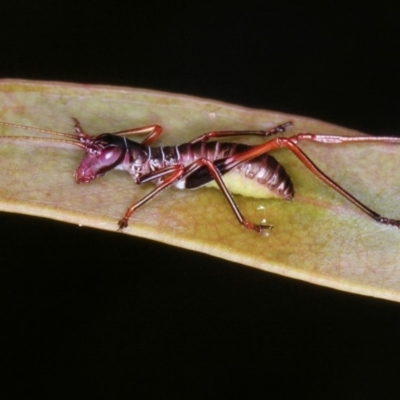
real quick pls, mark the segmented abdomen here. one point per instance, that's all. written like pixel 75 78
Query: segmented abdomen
pixel 261 177
pixel 267 171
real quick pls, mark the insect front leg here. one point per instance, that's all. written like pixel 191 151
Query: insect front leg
pixel 152 131
pixel 172 175
pixel 219 134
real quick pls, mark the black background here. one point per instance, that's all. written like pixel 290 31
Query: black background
pixel 129 318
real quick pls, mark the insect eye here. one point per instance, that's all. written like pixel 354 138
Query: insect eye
pixel 109 155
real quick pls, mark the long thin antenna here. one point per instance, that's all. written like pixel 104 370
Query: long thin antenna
pixel 75 142
pixel 31 128
pixel 42 139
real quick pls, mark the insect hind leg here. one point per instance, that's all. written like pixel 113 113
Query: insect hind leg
pixel 291 144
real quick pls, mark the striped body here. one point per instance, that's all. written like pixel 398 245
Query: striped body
pixel 261 177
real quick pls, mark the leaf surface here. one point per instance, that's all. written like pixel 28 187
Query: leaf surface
pixel 318 237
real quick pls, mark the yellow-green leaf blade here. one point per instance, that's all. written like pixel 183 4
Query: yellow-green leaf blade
pixel 318 237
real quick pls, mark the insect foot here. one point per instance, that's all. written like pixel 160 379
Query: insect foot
pixel 123 223
pixel 388 221
pixel 257 228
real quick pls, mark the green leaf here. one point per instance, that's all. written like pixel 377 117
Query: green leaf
pixel 318 237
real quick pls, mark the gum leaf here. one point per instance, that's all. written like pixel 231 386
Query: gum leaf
pixel 318 237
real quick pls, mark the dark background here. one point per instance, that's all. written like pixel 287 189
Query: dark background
pixel 125 316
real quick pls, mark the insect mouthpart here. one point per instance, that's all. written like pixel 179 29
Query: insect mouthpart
pixel 85 174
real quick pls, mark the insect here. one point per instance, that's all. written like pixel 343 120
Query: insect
pixel 202 161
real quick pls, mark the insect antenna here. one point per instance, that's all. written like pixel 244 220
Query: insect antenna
pixel 71 139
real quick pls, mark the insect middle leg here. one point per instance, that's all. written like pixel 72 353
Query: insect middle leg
pixel 215 173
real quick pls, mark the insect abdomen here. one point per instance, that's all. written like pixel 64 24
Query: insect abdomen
pixel 261 177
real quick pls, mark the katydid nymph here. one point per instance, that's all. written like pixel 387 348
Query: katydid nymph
pixel 203 161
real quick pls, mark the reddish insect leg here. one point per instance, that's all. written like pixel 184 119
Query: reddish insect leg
pixel 204 162
pixel 153 132
pixel 291 144
pixel 218 178
pixel 218 134
pixel 174 173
